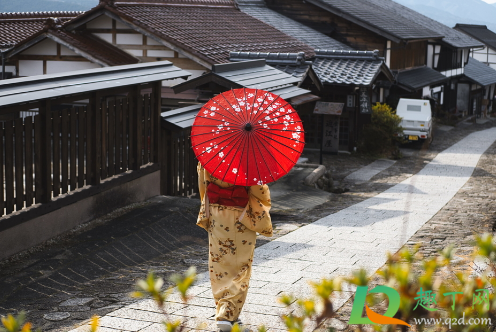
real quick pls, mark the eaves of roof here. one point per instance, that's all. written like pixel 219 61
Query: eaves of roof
pixel 94 50
pixel 204 79
pixel 40 15
pixel 422 33
pixel 34 88
pixel 293 64
pixel 253 74
pixel 192 3
pixel 479 73
pixel 478 32
pixel 417 78
pixel 359 68
pixel 180 118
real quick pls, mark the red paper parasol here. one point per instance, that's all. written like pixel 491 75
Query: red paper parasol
pixel 247 137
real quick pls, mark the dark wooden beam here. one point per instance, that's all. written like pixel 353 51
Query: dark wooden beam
pixel 51 57
pixel 110 30
pixel 143 47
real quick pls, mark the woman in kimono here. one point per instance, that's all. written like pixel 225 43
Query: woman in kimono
pixel 232 216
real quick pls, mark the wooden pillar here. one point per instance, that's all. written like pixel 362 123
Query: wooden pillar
pixel 94 157
pixel 163 160
pixel 156 118
pixel 90 140
pixel 46 152
pixel 135 139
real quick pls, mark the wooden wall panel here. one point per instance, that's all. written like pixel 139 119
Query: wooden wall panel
pixel 410 55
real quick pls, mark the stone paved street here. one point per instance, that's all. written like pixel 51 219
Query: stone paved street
pixel 357 236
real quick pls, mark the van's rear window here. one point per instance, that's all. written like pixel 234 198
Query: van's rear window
pixel 413 108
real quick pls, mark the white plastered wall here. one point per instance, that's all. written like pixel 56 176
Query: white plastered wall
pixel 161 53
pixel 388 53
pixel 129 38
pixel 45 47
pixel 430 53
pixel 426 91
pixel 30 67
pixel 105 36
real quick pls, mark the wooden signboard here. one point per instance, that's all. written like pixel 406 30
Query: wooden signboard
pixel 329 108
pixel 330 134
pixel 365 106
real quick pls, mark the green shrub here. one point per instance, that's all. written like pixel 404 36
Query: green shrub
pixel 381 136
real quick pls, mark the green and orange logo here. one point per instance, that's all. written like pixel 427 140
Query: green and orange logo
pixel 373 317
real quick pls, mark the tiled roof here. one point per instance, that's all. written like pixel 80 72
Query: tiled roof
pixel 395 21
pixel 296 71
pixel 211 32
pixel 270 58
pixel 182 2
pixel 480 73
pixel 61 14
pixel 33 88
pixel 293 64
pixel 451 36
pixel 255 74
pixel 311 37
pixel 479 32
pixel 15 27
pixel 417 78
pixel 181 118
pixel 96 48
pixel 349 67
pixel 379 16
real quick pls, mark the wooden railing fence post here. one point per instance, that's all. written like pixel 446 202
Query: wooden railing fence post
pixel 46 152
pixel 156 119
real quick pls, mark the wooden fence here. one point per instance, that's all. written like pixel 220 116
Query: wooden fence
pixel 178 164
pixel 56 152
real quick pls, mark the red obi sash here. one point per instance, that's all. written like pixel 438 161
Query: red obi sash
pixel 232 196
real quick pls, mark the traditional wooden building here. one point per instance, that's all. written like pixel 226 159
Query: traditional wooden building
pixel 405 38
pixel 486 54
pixel 338 77
pixel 179 31
pixel 54 50
pixel 15 27
pixel 480 82
pixel 354 80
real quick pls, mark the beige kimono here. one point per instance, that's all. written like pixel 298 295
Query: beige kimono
pixel 232 242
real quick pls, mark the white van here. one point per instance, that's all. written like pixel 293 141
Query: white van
pixel 417 119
